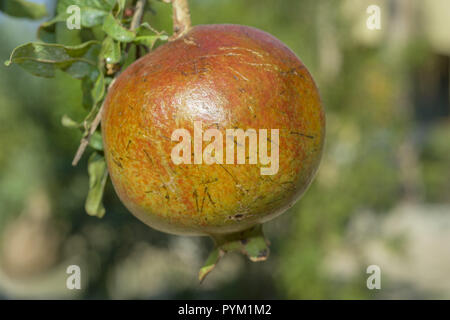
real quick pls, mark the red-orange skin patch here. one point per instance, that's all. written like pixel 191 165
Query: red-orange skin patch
pixel 226 76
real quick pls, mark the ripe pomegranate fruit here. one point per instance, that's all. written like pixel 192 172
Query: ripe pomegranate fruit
pixel 223 77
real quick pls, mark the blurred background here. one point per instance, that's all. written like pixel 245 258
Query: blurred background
pixel 381 196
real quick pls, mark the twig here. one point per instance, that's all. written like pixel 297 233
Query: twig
pixel 181 18
pixel 85 140
pixel 94 124
pixel 136 20
pixel 138 13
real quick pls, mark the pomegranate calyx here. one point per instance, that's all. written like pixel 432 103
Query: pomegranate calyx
pixel 250 242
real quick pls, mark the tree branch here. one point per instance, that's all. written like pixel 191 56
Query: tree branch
pixel 138 13
pixel 181 18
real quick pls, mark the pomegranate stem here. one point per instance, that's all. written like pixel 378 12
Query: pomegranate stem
pixel 181 18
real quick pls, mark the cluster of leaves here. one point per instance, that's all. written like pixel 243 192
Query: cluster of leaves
pixel 95 53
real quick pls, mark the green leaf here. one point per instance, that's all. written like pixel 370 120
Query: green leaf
pixel 86 87
pixel 145 29
pixel 92 13
pixel 111 50
pixel 210 263
pixel 92 17
pixel 99 88
pixel 66 121
pixel 121 4
pixel 98 174
pixel 42 59
pixel 105 5
pixel 23 9
pixel 96 141
pixel 149 41
pixel 147 36
pixel 66 36
pixel 115 30
pixel 46 32
pixel 94 89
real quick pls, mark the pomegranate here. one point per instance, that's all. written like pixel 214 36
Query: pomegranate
pixel 233 79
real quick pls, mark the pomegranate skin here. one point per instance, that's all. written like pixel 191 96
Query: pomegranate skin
pixel 226 76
